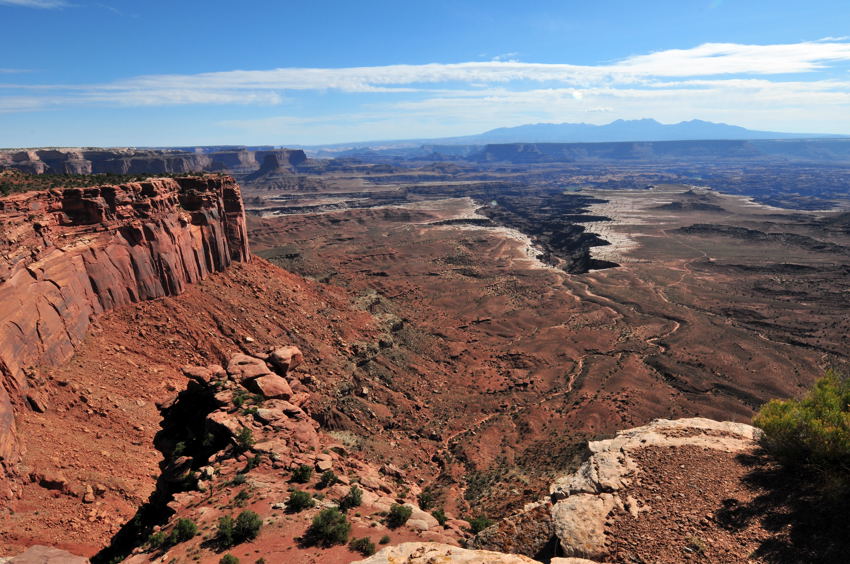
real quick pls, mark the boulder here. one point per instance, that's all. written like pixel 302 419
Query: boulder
pixel 200 374
pixel 270 386
pixel 51 480
pixel 244 368
pixel 284 359
pixel 579 523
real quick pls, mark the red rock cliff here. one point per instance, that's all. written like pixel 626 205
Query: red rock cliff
pixel 68 255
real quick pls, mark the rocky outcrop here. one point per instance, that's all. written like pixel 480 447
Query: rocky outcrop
pixel 44 555
pixel 580 503
pixel 432 553
pixel 69 255
pixel 149 161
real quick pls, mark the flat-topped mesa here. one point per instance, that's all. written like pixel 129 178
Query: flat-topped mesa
pixel 150 161
pixel 69 255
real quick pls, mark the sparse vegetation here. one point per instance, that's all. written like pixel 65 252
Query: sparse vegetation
pixel 440 516
pixel 247 526
pixel 329 528
pixel 299 501
pixel 327 479
pixel 385 539
pixel 362 545
pixel 427 499
pixel 302 474
pixel 184 530
pixel 224 534
pixel 479 523
pixel 244 438
pixel 812 434
pixel 353 498
pixel 228 559
pixel 398 515
pixel 241 498
pixel 696 545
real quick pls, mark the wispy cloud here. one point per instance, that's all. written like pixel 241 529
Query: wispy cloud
pixel 724 81
pixel 43 4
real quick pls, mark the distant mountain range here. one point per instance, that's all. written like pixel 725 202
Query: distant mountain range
pixel 616 131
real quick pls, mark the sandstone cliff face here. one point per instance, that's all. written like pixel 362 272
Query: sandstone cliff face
pixel 68 255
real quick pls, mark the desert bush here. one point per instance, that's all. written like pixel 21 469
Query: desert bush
pixel 479 523
pixel 353 498
pixel 224 534
pixel 228 559
pixel 398 515
pixel 184 530
pixel 241 498
pixel 385 539
pixel 363 545
pixel 440 516
pixel 244 438
pixel 247 526
pixel 156 540
pixel 328 528
pixel 812 434
pixel 302 474
pixel 299 501
pixel 427 499
pixel 327 479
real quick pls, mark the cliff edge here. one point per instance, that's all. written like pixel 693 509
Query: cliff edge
pixel 69 255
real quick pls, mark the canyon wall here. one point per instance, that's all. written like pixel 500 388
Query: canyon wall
pixel 68 255
pixel 148 161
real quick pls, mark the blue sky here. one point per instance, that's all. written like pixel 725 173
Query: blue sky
pixel 130 73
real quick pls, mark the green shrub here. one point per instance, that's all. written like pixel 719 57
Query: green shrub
pixel 398 516
pixel 302 474
pixel 327 479
pixel 224 535
pixel 239 479
pixel 157 540
pixel 299 501
pixel 479 523
pixel 329 528
pixel 440 516
pixel 228 559
pixel 247 526
pixel 353 498
pixel 426 499
pixel 253 462
pixel 184 530
pixel 241 498
pixel 812 434
pixel 363 545
pixel 244 438
pixel 385 539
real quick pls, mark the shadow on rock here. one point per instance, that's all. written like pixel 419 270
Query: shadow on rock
pixel 807 524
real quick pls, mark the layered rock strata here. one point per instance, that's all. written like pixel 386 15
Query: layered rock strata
pixel 69 255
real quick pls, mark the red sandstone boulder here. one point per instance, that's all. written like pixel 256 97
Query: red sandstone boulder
pixel 271 386
pixel 243 368
pixel 284 359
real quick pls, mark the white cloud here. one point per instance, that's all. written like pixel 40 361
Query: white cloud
pixel 754 85
pixel 44 4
